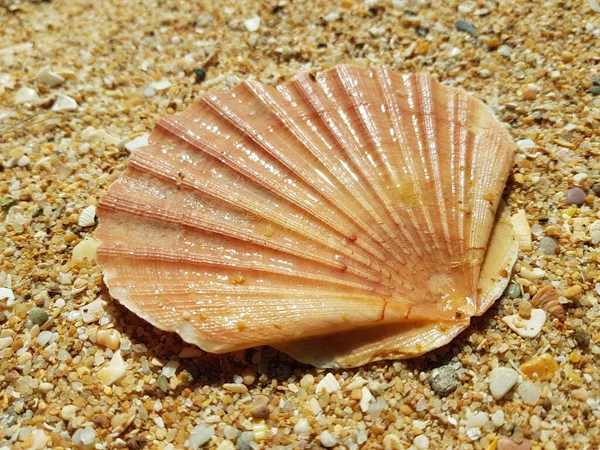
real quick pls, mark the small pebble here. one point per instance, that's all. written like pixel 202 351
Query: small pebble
pixel 466 27
pixel 498 418
pixel 595 90
pixel 260 407
pixel 200 74
pixel 302 427
pixel 44 337
pixel 444 380
pixel 200 435
pixel 114 371
pixel 575 196
pixel 244 440
pixel 26 95
pixel 38 316
pixel 392 442
pixel 548 246
pixel 252 24
pixel 109 338
pixel 513 290
pixel 529 392
pixel 328 439
pixel 582 337
pixel 49 78
pixel 542 366
pixel 328 384
pixel 248 376
pixel 421 442
pixel 68 412
pixel 525 309
pixel 86 249
pixel 64 103
pixel 527 328
pixel 596 189
pixel 502 380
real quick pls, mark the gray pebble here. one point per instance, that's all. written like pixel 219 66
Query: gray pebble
pixel 548 246
pixel 582 337
pixel 466 27
pixel 513 290
pixel 594 90
pixel 243 442
pixel 38 316
pixel 596 189
pixel 575 196
pixel 445 380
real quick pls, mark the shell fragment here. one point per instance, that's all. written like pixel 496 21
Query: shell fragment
pixel 527 328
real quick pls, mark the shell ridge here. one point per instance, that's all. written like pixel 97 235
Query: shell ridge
pixel 252 207
pixel 334 198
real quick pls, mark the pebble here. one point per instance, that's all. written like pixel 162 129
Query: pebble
pixel 88 435
pixel 502 380
pixel 513 290
pixel 49 78
pixel 200 74
pixel 466 27
pixel 444 380
pixel 522 230
pixel 200 435
pixel 527 328
pixel 302 427
pixel 595 90
pixel 525 309
pixel 506 51
pixel 548 246
pixel 86 249
pixel 64 103
pixel 505 443
pixel 498 418
pixel 529 392
pixel 596 189
pixel 38 316
pixel 328 384
pixel 235 387
pixel 392 442
pixel 248 376
pixel 26 95
pixel 421 442
pixel 114 371
pixel 226 445
pixel 365 398
pixel 328 439
pixel 252 24
pixel 44 337
pixel 582 337
pixel 190 352
pixel 575 196
pixel 244 440
pixel 161 85
pixel 68 412
pixel 109 338
pixel 87 217
pixel 543 366
pixel 260 407
pixel 170 368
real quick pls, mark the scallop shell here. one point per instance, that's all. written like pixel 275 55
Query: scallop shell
pixel 344 218
pixel 546 298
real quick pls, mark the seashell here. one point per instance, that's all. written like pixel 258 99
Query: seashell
pixel 527 328
pixel 546 298
pixel 87 218
pixel 522 230
pixel 342 218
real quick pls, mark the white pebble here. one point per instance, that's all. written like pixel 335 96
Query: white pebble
pixel 87 217
pixel 7 296
pixel 44 337
pixel 5 341
pixel 302 427
pixel 476 420
pixel 579 177
pixel 26 95
pixel 498 418
pixel 502 380
pixel 170 368
pixel 88 435
pixel 92 135
pixel 473 433
pixel 200 435
pixel 421 442
pixel 365 399
pixel 49 78
pixel 328 385
pixel 23 161
pixel 526 144
pixel 529 392
pixel 328 439
pixel 527 328
pixel 252 24
pixel 86 249
pixel 161 85
pixel 68 412
pixel 140 141
pixel 505 50
pixel 114 371
pixel 64 103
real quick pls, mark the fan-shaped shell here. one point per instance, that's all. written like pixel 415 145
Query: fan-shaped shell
pixel 342 218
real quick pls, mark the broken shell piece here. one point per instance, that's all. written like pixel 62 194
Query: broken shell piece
pixel 140 141
pixel 543 366
pixel 344 217
pixel 114 371
pixel 64 103
pixel 26 95
pixel 109 338
pixel 547 299
pixel 49 78
pixel 527 328
pixel 522 230
pixel 92 135
pixel 87 218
